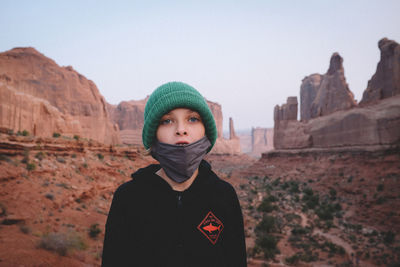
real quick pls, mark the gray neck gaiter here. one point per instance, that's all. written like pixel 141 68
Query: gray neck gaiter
pixel 180 161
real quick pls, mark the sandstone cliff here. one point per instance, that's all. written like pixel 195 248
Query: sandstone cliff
pixel 41 97
pixel 321 95
pixel 386 80
pixel 332 119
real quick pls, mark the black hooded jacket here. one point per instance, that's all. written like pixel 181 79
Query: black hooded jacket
pixel 150 224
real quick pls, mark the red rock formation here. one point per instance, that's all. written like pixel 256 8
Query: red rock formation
pixel 324 94
pixel 129 116
pixel 41 97
pixel 308 93
pixel 288 111
pixel 363 126
pixel 217 112
pixel 386 80
pixel 229 146
pixel 232 133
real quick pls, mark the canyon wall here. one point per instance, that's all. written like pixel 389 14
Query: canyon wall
pixel 41 97
pixel 331 118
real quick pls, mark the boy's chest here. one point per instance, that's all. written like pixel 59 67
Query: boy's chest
pixel 180 219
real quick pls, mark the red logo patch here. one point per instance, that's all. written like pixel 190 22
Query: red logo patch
pixel 211 227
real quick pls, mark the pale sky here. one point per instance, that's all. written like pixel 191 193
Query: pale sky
pixel 247 56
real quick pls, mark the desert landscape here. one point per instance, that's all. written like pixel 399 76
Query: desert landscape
pixel 323 190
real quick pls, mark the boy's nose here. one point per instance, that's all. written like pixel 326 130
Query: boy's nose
pixel 181 129
pixel 181 132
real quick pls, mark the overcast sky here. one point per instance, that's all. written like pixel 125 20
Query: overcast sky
pixel 247 56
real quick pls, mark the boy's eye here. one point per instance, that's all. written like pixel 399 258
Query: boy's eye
pixel 165 121
pixel 194 119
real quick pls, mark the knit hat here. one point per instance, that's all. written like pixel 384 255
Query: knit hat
pixel 168 97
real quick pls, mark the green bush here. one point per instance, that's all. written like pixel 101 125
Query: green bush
pixel 293 260
pixel 94 230
pixel 389 237
pixel 298 230
pixel 25 133
pixel 56 135
pixel 332 193
pixel 40 155
pixel 266 206
pixel 100 156
pixel 267 225
pixel 311 201
pixel 379 187
pixel 76 137
pixel 268 245
pixel 30 166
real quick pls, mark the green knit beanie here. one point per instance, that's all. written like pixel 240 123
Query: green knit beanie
pixel 168 97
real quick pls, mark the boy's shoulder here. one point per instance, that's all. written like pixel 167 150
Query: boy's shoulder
pixel 140 177
pixel 218 183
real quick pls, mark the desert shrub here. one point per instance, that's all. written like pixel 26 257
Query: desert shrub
pixel 311 201
pixel 266 206
pixel 298 230
pixel 61 243
pixel 332 193
pixel 291 216
pixel 5 158
pixel 94 230
pixel 308 191
pixel 381 200
pixel 40 155
pixel 267 225
pixel 268 245
pixel 389 237
pixel 333 248
pixel 285 185
pixel 3 210
pixel 25 159
pixel 23 133
pixel 85 165
pixel 294 187
pixel 49 196
pixel 379 187
pixel 272 198
pixel 100 156
pixel 325 211
pixel 30 166
pixel 56 135
pixel 293 260
pixel 76 137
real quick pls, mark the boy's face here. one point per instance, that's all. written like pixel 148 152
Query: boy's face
pixel 180 126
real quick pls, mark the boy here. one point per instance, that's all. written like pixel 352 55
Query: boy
pixel 177 213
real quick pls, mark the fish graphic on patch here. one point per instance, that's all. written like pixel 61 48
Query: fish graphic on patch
pixel 211 227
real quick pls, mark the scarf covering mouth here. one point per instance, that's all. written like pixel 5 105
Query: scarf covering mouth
pixel 180 161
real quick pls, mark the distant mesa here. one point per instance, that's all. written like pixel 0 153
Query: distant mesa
pixel 329 115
